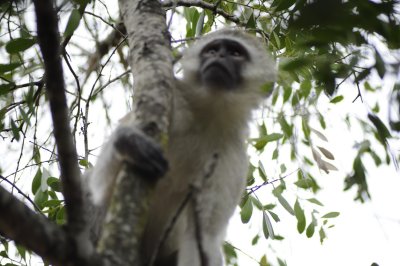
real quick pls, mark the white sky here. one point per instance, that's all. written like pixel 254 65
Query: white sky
pixel 363 233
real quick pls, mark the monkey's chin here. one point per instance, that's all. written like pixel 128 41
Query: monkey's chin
pixel 217 77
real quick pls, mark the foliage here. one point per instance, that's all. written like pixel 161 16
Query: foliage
pixel 326 49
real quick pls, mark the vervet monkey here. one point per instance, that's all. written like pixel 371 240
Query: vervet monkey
pixel 222 76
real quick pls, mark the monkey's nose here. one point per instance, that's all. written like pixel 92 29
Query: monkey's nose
pixel 222 53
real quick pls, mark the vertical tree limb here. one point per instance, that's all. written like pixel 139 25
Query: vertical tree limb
pixel 151 62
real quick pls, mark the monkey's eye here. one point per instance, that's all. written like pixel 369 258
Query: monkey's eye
pixel 211 51
pixel 235 53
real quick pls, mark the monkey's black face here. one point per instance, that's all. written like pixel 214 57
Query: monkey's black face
pixel 221 62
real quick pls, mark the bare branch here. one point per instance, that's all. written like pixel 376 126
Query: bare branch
pixel 205 5
pixel 38 234
pixel 193 189
pixel 167 231
pixel 49 43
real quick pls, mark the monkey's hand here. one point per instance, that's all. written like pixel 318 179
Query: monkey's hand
pixel 141 153
pixel 126 145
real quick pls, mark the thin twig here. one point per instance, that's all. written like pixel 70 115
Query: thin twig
pixel 257 187
pixel 204 261
pixel 87 106
pixel 189 195
pixel 359 91
pixel 170 226
pixel 78 87
pixel 198 230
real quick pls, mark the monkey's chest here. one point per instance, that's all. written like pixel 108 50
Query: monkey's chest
pixel 214 166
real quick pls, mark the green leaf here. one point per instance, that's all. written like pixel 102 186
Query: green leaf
pixel 200 24
pixel 368 87
pixel 274 216
pixel 280 5
pixel 60 217
pixel 310 230
pixel 54 183
pixel 261 171
pixel 5 89
pixel 301 218
pixel 251 22
pixel 25 116
pixel 84 163
pixel 276 40
pixel 331 215
pixel 261 142
pixel 283 168
pixel 246 211
pixel 285 204
pixel 304 183
pixel 257 203
pixel 40 198
pixel 295 64
pixel 322 235
pixel 9 67
pixel 363 74
pixel 281 262
pixel 337 99
pixel 19 45
pixel 305 88
pixel 286 128
pixel 229 251
pixel 379 65
pixel 73 22
pixel 21 251
pixel 52 203
pixel 267 227
pixel 15 130
pixel 315 201
pixel 287 91
pixel 327 153
pixel 275 154
pixel 305 127
pixel 263 261
pixel 319 134
pixel 383 132
pixel 36 181
pixel 255 240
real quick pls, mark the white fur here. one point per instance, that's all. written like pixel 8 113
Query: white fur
pixel 204 122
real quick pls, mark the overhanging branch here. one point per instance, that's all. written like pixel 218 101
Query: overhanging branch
pixel 204 5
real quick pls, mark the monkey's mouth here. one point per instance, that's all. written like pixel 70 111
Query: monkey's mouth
pixel 217 75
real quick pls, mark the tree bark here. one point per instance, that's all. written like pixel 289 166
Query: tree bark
pixel 151 62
